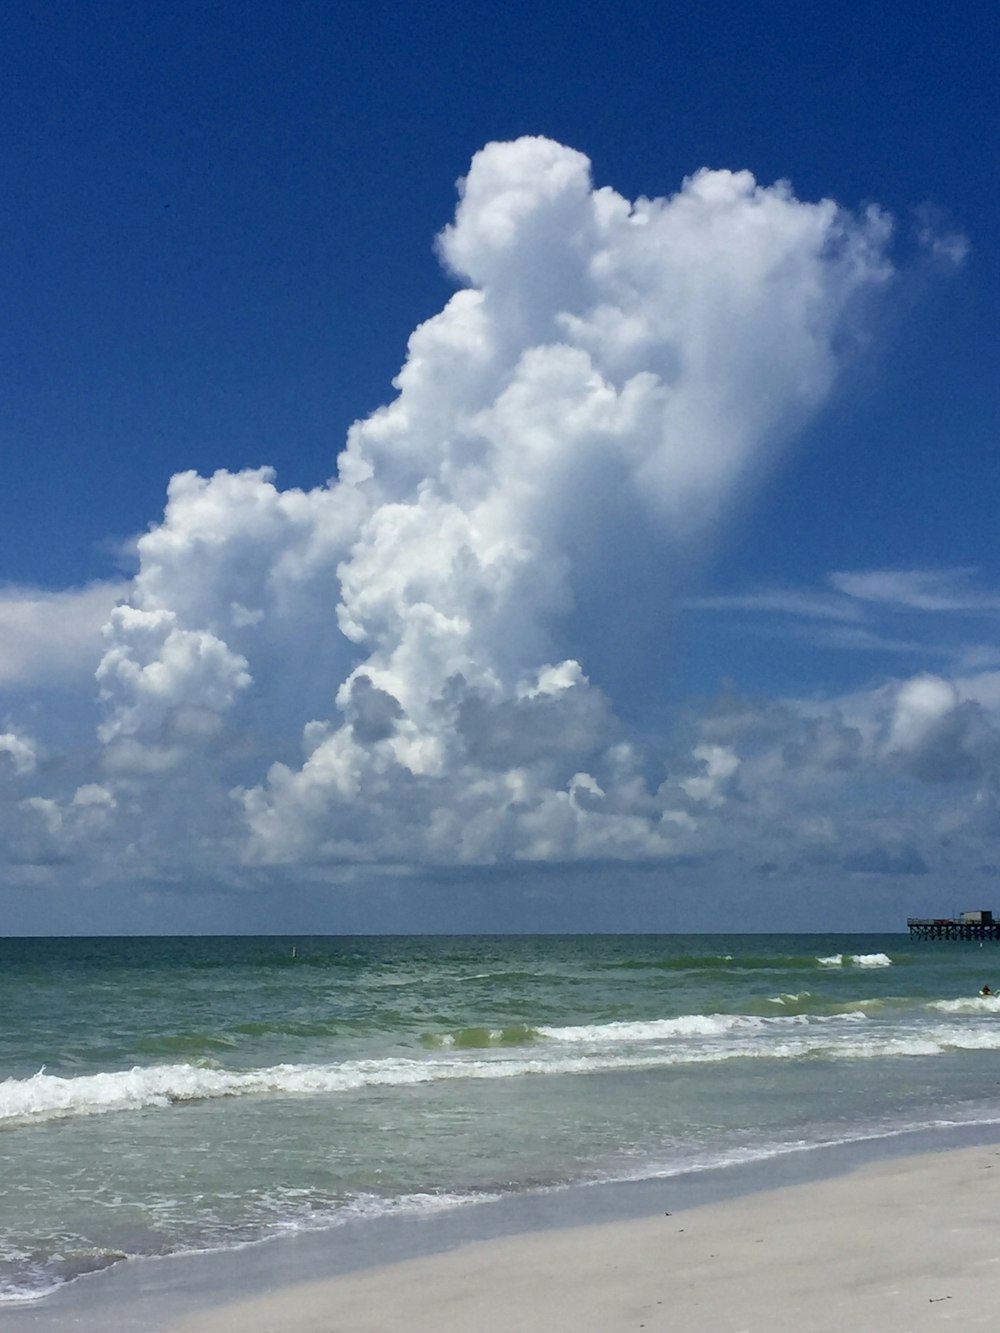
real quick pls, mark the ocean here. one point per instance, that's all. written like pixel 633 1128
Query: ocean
pixel 171 1095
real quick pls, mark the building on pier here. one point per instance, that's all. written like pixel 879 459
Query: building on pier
pixel 966 926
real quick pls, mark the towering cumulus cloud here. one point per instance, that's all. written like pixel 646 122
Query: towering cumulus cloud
pixel 604 365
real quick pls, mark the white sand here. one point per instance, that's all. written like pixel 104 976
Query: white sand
pixel 896 1247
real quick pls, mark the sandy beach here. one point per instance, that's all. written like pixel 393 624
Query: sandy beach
pixel 899 1245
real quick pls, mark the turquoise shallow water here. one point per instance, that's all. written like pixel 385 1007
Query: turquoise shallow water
pixel 168 1095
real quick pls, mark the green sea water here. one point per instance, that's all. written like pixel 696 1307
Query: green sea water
pixel 167 1095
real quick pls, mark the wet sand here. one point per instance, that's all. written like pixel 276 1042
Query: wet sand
pixel 896 1246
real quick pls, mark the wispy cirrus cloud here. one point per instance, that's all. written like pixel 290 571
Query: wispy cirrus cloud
pixel 925 612
pixel 931 590
pixel 794 602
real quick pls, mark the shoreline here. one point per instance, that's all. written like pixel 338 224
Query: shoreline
pixel 296 1281
pixel 899 1245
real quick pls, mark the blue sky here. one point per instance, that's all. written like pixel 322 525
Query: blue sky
pixel 665 588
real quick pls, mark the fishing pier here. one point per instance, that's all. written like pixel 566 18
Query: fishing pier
pixel 965 926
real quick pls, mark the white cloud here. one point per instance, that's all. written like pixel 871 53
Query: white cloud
pixel 44 830
pixel 610 365
pixel 883 783
pixel 720 764
pixel 939 735
pixel 946 245
pixel 166 685
pixel 51 638
pixel 17 753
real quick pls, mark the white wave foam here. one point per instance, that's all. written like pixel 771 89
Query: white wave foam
pixel 725 1037
pixel 857 959
pixel 49 1095
pixel 968 1004
pixel 689 1025
pixel 14 1293
pixel 659 1029
pixel 363 1206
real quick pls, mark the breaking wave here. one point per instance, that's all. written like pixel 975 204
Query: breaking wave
pixel 968 1004
pixel 855 960
pixel 588 1048
pixel 723 963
